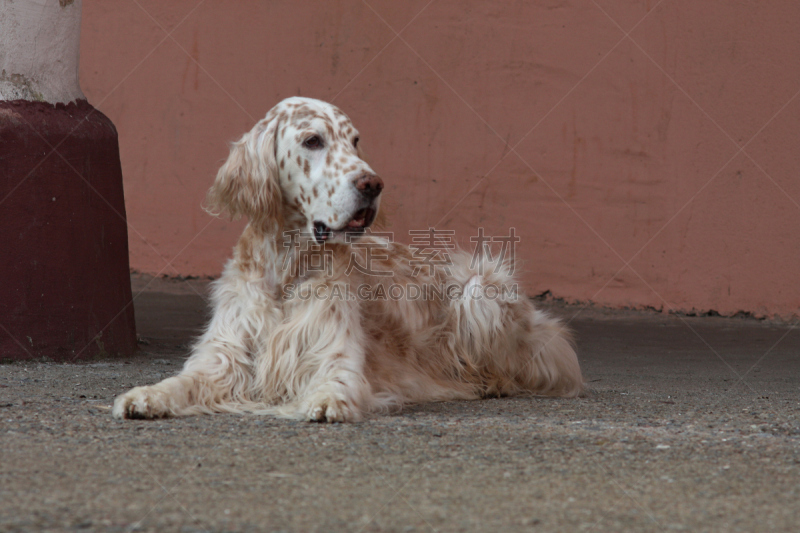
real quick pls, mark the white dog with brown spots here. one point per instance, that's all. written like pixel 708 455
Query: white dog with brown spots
pixel 300 178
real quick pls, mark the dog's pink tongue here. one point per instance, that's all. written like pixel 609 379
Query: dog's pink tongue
pixel 356 223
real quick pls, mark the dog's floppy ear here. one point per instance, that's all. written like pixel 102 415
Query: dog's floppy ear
pixel 247 183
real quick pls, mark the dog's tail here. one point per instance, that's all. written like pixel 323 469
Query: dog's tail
pixel 552 369
pixel 513 346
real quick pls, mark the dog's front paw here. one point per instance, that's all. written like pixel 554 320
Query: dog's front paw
pixel 141 402
pixel 328 408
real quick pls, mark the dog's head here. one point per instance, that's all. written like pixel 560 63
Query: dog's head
pixel 300 168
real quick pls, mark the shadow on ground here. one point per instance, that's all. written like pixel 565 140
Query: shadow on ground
pixel 689 424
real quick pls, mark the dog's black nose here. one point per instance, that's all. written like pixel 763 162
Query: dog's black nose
pixel 370 185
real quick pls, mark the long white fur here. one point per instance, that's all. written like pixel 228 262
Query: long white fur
pixel 332 359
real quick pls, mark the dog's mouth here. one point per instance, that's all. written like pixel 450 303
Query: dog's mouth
pixel 359 222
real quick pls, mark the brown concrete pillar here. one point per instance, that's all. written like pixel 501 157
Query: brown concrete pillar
pixel 65 289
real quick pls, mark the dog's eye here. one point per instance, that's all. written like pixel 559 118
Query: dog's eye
pixel 355 142
pixel 313 143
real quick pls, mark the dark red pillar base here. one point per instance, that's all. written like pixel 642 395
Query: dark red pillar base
pixel 65 290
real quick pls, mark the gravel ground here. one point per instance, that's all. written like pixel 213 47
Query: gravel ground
pixel 667 438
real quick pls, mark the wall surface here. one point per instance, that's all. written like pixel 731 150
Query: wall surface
pixel 645 152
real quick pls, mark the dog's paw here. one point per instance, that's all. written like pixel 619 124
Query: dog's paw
pixel 141 402
pixel 327 408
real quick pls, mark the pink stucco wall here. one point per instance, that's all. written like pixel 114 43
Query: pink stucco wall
pixel 655 169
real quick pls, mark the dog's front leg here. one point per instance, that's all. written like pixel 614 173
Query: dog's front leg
pixel 326 373
pixel 215 378
pixel 338 392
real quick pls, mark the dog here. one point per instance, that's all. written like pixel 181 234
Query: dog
pixel 340 351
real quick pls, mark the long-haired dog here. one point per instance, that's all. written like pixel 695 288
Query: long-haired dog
pixel 318 318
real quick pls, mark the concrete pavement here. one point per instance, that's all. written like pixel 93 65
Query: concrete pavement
pixel 690 424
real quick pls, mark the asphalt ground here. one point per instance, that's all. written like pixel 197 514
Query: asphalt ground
pixel 689 424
